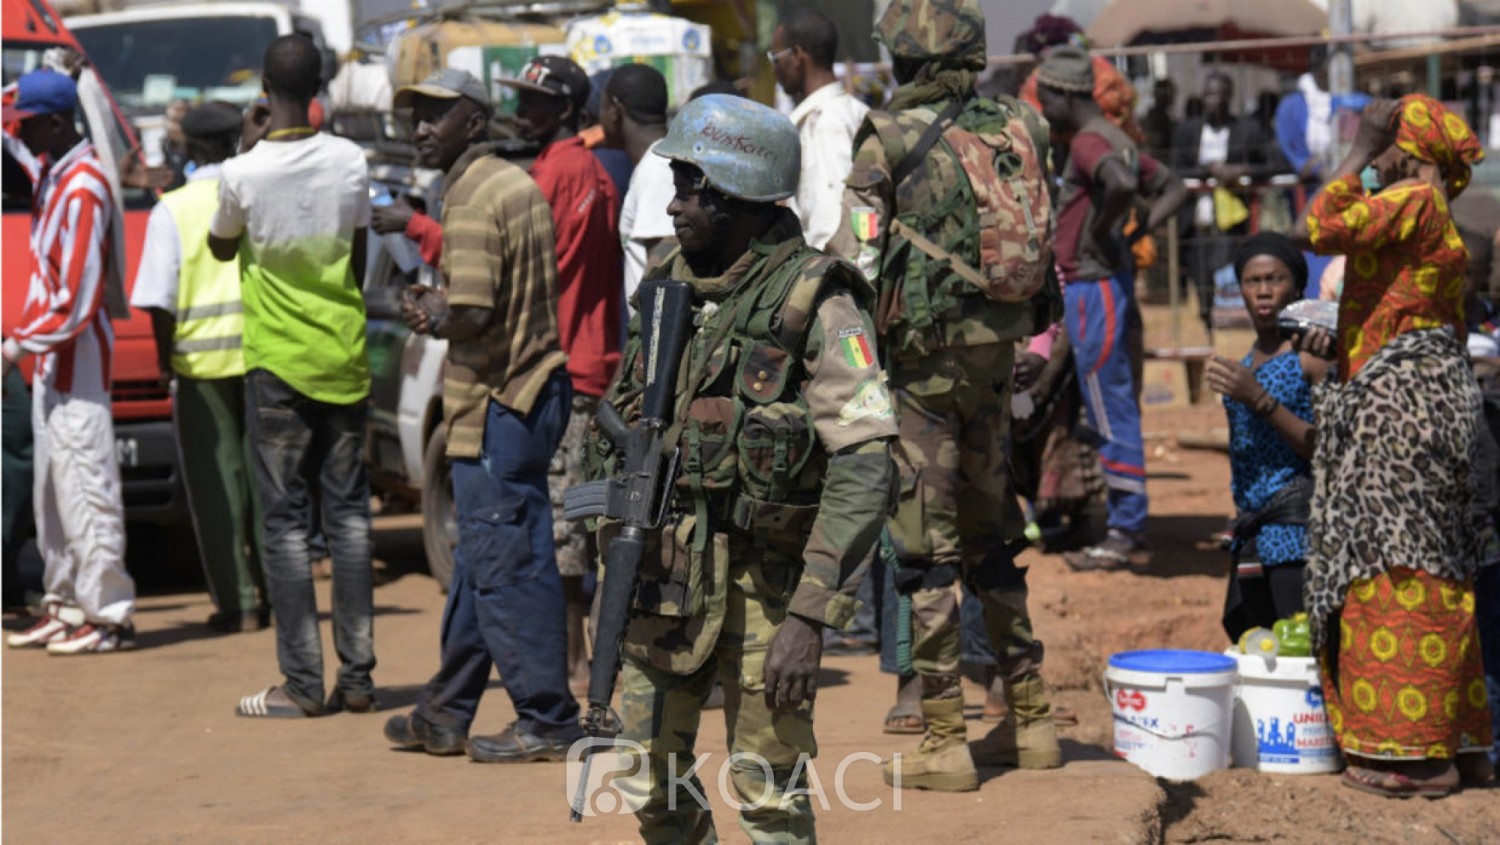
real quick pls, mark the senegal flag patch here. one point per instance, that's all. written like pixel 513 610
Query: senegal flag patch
pixel 865 222
pixel 856 348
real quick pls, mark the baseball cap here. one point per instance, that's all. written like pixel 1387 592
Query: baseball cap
pixel 556 76
pixel 446 84
pixel 42 92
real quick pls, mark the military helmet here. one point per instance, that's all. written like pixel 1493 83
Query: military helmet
pixel 948 32
pixel 745 150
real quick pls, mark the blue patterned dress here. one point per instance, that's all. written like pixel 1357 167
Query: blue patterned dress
pixel 1261 462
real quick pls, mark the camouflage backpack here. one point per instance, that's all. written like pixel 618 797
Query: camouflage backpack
pixel 988 230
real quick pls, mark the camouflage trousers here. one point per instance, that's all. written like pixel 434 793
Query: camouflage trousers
pixel 936 635
pixel 573 541
pixel 661 711
pixel 958 515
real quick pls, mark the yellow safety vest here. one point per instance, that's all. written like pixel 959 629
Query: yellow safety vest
pixel 210 314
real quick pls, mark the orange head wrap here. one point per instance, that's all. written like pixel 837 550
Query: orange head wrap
pixel 1430 132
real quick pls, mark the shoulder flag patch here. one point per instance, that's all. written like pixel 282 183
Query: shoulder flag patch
pixel 856 347
pixel 865 222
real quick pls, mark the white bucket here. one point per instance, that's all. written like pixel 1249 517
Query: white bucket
pixel 1279 722
pixel 1172 710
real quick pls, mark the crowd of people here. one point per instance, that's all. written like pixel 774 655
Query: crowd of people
pixel 886 301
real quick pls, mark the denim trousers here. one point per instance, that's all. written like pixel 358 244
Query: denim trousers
pixel 305 451
pixel 975 646
pixel 866 625
pixel 505 603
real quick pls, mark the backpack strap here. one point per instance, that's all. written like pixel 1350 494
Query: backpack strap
pixel 960 267
pixel 924 144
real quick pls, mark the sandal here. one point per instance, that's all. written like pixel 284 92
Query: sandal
pixel 270 703
pixel 906 717
pixel 1397 784
pixel 995 707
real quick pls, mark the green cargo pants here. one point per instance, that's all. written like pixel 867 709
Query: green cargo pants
pixel 210 419
pixel 661 711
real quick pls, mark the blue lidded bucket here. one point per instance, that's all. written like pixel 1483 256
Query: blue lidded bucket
pixel 1172 710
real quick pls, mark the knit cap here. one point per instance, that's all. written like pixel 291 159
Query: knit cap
pixel 1067 68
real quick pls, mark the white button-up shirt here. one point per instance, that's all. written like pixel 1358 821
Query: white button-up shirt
pixel 826 121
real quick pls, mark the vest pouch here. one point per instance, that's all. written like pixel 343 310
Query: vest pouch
pixel 775 443
pixel 670 579
pixel 780 528
pixel 709 458
pixel 680 600
pixel 909 333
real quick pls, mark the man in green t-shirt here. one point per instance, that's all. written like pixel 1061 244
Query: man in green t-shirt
pixel 293 206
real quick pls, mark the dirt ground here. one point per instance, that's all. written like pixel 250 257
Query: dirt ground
pixel 143 747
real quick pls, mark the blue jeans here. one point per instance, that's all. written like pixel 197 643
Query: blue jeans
pixel 505 603
pixel 866 625
pixel 1096 321
pixel 974 638
pixel 301 447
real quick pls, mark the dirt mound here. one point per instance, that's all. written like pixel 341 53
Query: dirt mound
pixel 1242 806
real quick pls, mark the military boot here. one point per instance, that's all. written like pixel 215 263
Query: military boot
pixel 941 761
pixel 1027 736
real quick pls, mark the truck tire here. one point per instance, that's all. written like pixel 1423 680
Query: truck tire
pixel 439 524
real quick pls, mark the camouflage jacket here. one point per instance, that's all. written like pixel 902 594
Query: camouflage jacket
pixel 783 425
pixel 928 197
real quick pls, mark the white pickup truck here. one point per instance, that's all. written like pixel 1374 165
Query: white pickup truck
pixel 406 445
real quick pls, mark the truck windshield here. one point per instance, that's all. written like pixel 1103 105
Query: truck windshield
pixel 148 64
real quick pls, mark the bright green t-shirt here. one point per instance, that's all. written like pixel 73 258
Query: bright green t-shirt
pixel 297 205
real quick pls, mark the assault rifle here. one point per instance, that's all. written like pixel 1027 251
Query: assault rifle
pixel 638 497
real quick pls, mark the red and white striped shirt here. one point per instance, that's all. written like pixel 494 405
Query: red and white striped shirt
pixel 64 320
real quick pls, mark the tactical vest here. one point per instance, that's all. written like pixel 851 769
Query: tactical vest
pixel 751 463
pixel 210 314
pixel 924 304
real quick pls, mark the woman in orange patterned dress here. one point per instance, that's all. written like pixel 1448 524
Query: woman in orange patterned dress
pixel 1393 540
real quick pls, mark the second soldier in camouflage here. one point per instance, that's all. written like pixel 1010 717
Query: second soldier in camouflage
pixel 911 221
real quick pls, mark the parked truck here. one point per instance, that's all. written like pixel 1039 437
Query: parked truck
pixel 154 54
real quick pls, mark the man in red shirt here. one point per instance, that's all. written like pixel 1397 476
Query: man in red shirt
pixel 552 92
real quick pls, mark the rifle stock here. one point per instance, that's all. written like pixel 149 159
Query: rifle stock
pixel 638 498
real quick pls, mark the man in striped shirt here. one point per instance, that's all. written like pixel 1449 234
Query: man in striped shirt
pixel 506 395
pixel 80 516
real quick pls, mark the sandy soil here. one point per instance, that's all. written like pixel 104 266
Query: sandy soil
pixel 143 747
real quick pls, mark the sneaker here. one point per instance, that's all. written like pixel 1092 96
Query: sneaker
pixel 1119 550
pixel 95 639
pixel 48 629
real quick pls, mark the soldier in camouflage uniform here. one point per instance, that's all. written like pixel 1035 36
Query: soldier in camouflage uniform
pixel 950 351
pixel 781 408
